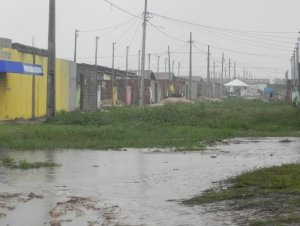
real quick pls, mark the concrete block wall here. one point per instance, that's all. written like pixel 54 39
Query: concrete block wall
pixel 87 80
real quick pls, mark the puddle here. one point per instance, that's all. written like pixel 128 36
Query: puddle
pixel 133 187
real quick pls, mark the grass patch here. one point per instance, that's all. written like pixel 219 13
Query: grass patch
pixel 270 194
pixel 285 140
pixel 23 164
pixel 182 125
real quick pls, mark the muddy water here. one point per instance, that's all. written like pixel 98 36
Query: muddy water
pixel 132 187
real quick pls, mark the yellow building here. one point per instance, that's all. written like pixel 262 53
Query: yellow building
pixel 23 94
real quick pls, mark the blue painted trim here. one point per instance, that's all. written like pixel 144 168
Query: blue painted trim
pixel 20 68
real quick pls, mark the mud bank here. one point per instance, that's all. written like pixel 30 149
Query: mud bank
pixel 130 187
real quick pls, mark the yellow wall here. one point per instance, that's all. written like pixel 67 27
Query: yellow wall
pixel 16 89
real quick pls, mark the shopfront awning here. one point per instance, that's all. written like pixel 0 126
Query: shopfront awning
pixel 20 68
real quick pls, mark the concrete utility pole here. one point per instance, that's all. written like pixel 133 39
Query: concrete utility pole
pixel 173 65
pixel 51 108
pixel 229 70
pixel 149 56
pixel 222 69
pixel 139 74
pixel 113 76
pixel 298 71
pixel 215 71
pixel 96 52
pixel 295 68
pixel 139 66
pixel 75 51
pixel 225 73
pixel 166 59
pixel 234 70
pixel 179 64
pixel 244 75
pixel 169 62
pixel 190 70
pixel 143 56
pixel 158 57
pixel 208 75
pixel 33 83
pixel 126 79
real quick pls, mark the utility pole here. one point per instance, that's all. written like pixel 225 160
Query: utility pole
pixel 225 73
pixel 158 57
pixel 298 68
pixel 169 62
pixel 139 66
pixel 96 53
pixel 229 69
pixel 51 103
pixel 179 64
pixel 173 64
pixel 139 74
pixel 190 70
pixel 166 65
pixel 208 74
pixel 234 70
pixel 113 77
pixel 126 79
pixel 222 69
pixel 215 71
pixel 33 82
pixel 149 56
pixel 244 75
pixel 143 56
pixel 75 51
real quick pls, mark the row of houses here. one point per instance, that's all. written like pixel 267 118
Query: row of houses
pixel 82 86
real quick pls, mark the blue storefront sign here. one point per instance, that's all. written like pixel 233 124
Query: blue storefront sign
pixel 20 68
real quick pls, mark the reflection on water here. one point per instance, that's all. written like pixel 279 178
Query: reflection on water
pixel 129 187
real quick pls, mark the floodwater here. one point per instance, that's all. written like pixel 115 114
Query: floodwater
pixel 129 187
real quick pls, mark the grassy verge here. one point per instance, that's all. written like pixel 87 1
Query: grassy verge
pixel 11 163
pixel 270 196
pixel 185 126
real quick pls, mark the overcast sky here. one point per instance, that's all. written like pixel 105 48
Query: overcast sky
pixel 265 52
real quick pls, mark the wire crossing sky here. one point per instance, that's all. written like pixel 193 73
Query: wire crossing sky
pixel 259 35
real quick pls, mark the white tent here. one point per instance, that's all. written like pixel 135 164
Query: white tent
pixel 236 83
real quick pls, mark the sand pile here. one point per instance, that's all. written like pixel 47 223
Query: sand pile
pixel 174 100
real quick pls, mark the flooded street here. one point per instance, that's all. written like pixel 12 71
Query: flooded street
pixel 129 187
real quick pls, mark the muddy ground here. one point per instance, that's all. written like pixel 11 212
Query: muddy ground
pixel 133 186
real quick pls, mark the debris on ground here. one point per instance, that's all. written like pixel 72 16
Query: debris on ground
pixel 108 102
pixel 174 100
pixel 207 99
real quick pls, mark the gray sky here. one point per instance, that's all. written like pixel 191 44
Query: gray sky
pixel 21 20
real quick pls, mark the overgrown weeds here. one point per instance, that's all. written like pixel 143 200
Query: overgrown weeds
pixel 272 193
pixel 23 164
pixel 182 125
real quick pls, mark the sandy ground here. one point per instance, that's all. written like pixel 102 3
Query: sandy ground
pixel 131 187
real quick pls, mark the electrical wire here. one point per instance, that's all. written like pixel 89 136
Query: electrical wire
pixel 216 28
pixel 122 9
pixel 135 33
pixel 245 53
pixel 115 26
pixel 209 33
pixel 126 31
pixel 166 34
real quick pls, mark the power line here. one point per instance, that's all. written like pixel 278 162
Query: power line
pixel 167 34
pixel 216 28
pixel 126 31
pixel 115 26
pixel 122 9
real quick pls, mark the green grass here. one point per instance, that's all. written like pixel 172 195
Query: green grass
pixel 180 125
pixel 273 194
pixel 23 164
